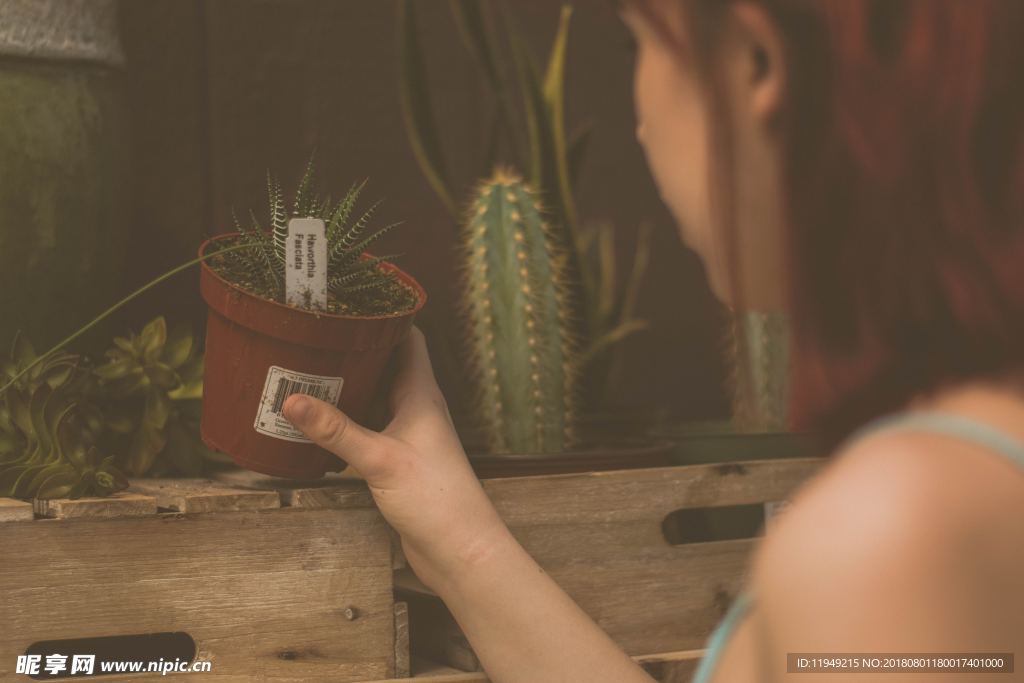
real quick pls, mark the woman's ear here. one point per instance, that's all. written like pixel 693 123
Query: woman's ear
pixel 757 59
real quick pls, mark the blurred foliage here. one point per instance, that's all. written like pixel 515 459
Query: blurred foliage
pixel 70 427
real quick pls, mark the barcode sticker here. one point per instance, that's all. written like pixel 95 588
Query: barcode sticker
pixel 281 384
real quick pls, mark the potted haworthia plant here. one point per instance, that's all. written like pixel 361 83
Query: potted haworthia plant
pixel 297 306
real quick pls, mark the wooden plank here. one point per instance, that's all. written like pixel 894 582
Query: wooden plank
pixel 12 510
pixel 204 495
pixel 333 491
pixel 402 666
pixel 667 667
pixel 121 504
pixel 640 494
pixel 266 595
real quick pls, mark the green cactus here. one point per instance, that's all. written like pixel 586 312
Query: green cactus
pixel 520 343
pixel 759 351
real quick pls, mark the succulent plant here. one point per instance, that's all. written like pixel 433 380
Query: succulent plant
pixel 520 342
pixel 355 279
pixel 50 430
pixel 151 386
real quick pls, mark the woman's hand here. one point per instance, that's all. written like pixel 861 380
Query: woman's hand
pixel 416 469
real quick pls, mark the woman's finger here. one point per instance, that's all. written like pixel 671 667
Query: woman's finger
pixel 334 431
pixel 414 393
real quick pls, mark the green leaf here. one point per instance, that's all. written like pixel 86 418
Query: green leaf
pixel 179 345
pixel 554 99
pixel 22 484
pixel 127 385
pixel 607 275
pixel 158 407
pixel 37 411
pixel 109 478
pixel 357 250
pixel 125 344
pixel 162 376
pixel 8 476
pixel 116 369
pixel 146 445
pixel 18 404
pixel 417 108
pixel 59 472
pixel 58 370
pixel 59 485
pixel 153 336
pixel 191 377
pixel 641 257
pixel 304 194
pixel 533 101
pixel 85 484
pixel 475 33
pixel 610 338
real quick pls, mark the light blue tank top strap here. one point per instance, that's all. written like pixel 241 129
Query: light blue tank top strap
pixel 949 424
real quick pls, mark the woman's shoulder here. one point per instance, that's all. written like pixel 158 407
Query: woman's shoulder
pixel 893 535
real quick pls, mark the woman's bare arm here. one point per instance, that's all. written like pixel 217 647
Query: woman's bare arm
pixel 524 627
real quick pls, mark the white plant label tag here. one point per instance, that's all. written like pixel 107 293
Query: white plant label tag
pixel 281 384
pixel 305 272
pixel 771 512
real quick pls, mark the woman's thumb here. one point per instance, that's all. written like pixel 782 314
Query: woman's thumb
pixel 332 430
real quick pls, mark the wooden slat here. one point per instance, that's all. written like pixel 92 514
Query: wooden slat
pixel 263 593
pixel 334 491
pixel 12 510
pixel 640 494
pixel 122 504
pixel 668 667
pixel 204 495
pixel 402 666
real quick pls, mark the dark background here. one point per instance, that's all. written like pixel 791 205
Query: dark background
pixel 221 90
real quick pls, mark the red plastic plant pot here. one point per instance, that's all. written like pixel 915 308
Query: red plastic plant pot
pixel 259 352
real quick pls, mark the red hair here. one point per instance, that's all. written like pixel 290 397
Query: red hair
pixel 903 138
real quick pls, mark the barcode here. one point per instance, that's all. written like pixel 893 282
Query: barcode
pixel 287 387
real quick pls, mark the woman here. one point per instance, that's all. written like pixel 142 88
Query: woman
pixel 859 165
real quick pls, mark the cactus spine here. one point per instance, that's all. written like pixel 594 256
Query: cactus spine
pixel 517 310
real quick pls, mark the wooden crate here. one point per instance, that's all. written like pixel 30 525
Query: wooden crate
pixel 602 537
pixel 292 581
pixel 273 582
